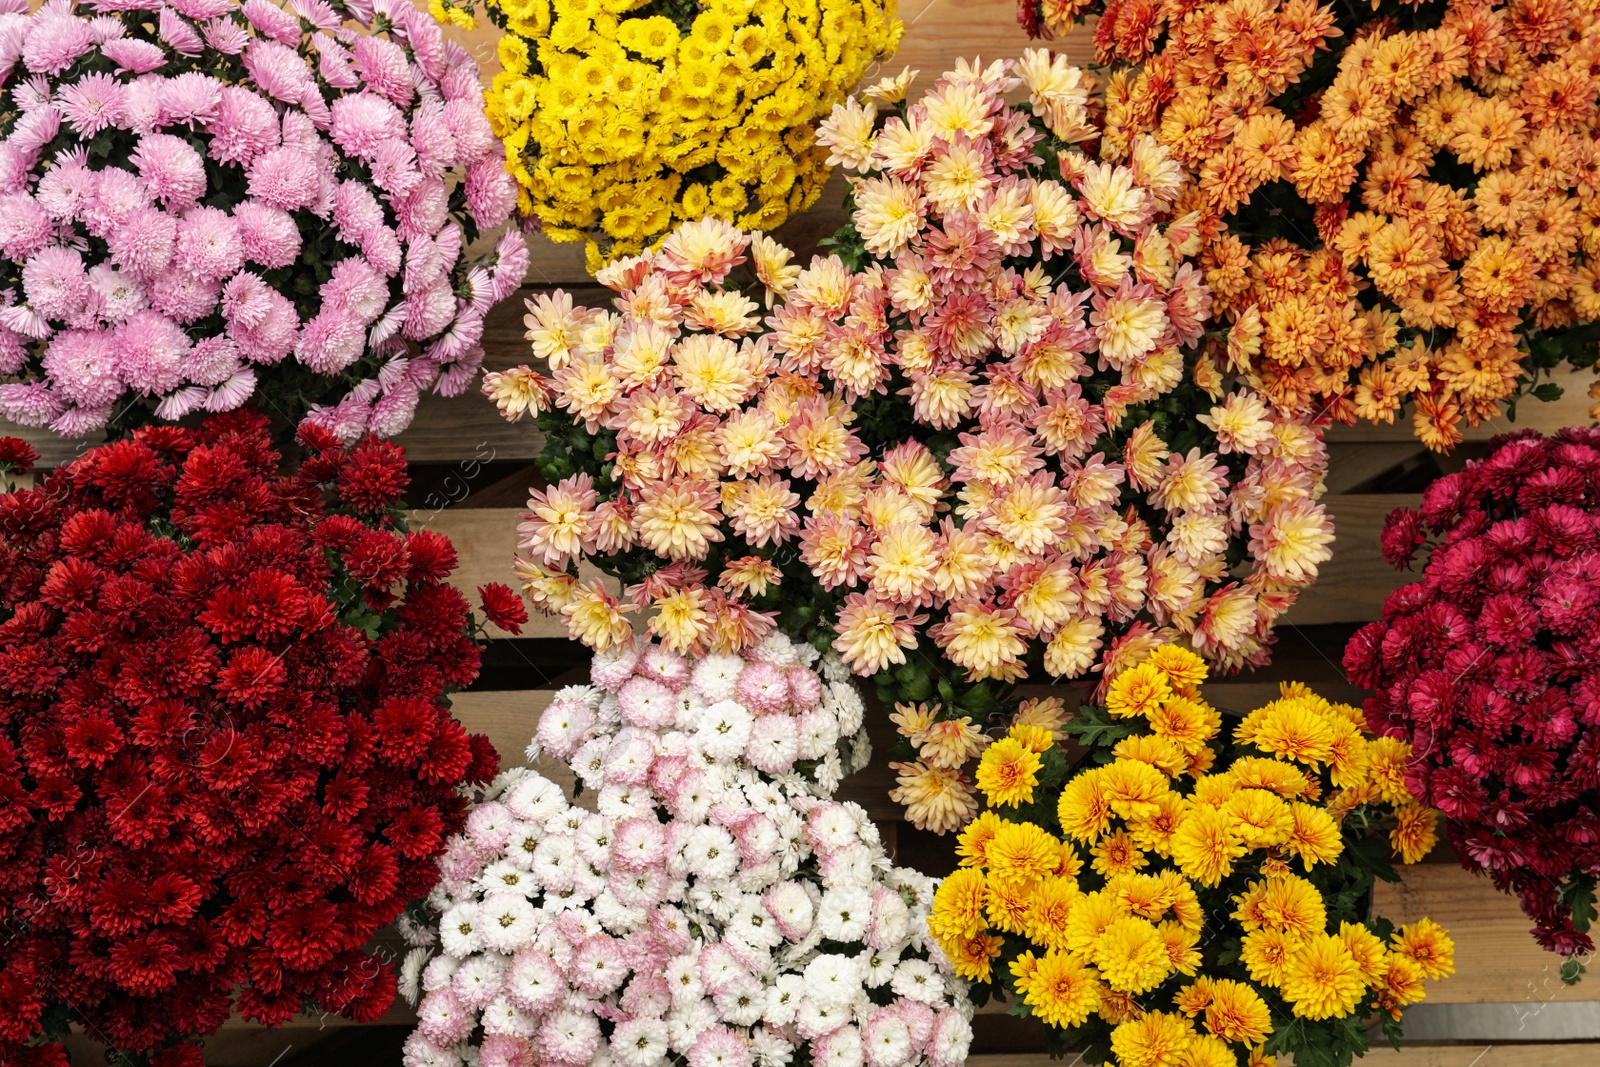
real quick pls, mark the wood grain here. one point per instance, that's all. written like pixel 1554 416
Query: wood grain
pixel 1497 960
pixel 1351 586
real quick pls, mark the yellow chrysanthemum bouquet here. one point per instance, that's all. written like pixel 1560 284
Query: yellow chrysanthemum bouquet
pixel 622 118
pixel 1188 894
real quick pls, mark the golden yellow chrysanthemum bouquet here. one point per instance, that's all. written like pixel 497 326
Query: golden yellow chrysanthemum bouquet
pixel 1401 200
pixel 624 117
pixel 1189 895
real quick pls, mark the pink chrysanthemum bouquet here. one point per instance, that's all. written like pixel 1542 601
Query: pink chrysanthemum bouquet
pixel 204 203
pixel 977 444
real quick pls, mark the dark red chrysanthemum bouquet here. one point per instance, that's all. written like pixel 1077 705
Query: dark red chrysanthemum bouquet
pixel 1490 668
pixel 226 753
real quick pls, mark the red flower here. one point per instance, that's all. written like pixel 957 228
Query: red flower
pixel 16 455
pixel 503 607
pixel 226 753
pixel 1490 666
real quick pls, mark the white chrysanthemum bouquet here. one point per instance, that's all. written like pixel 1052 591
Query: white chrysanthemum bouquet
pixel 716 908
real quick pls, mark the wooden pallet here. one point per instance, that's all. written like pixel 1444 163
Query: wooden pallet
pixel 472 472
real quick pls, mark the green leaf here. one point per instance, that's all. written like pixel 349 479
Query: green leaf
pixel 1571 970
pixel 1548 392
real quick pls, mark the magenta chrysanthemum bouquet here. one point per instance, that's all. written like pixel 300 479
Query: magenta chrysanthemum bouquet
pixel 1488 667
pixel 205 203
pixel 719 908
pixel 977 443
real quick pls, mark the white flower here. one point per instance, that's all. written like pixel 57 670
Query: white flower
pixel 819 732
pixel 844 913
pixel 951 1040
pixel 439 972
pixel 860 753
pixel 716 676
pixel 409 982
pixel 723 730
pixel 555 862
pixel 689 1022
pixel 848 706
pixel 877 967
pixel 507 921
pixel 508 877
pixel 770 1050
pixel 742 1007
pixel 889 1042
pixel 832 980
pixel 710 853
pixel 752 925
pixel 503 1017
pixel 616 916
pixel 593 841
pixel 918 980
pixel 640 1042
pixel 830 772
pixel 834 827
pixel 458 930
pixel 891 923
pixel 783 999
pixel 535 798
pixel 844 1049
pixel 683 979
pixel 716 899
pixel 789 903
pixel 620 801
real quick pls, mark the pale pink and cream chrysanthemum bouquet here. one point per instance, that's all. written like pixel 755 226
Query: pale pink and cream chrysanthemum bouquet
pixel 714 907
pixel 976 444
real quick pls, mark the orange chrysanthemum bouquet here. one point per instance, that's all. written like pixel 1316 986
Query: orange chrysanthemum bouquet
pixel 1399 203
pixel 977 443
pixel 1195 893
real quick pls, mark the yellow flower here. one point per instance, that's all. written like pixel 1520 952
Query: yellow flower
pixel 1131 955
pixel 1021 853
pixel 1260 818
pixel 972 846
pixel 973 958
pixel 1137 691
pixel 1188 723
pixel 1133 788
pixel 1008 772
pixel 1315 837
pixel 1049 909
pixel 1322 979
pixel 957 912
pixel 1153 830
pixel 1007 906
pixel 1117 854
pixel 1294 729
pixel 1060 989
pixel 1286 902
pixel 1206 845
pixel 1367 949
pixel 1266 955
pixel 1233 1010
pixel 1415 833
pixel 1155 1039
pixel 1084 810
pixel 1426 942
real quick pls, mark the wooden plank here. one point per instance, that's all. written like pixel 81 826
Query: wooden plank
pixel 1351 586
pixel 1497 960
